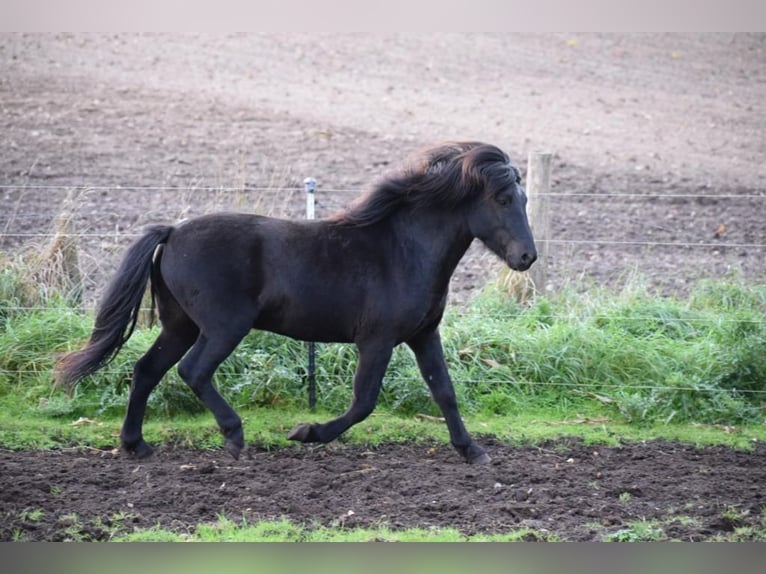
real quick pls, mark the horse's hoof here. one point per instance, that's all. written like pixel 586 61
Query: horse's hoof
pixel 483 458
pixel 300 432
pixel 233 448
pixel 141 450
pixel 474 454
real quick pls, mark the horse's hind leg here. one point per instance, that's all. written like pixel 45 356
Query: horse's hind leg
pixel 197 368
pixel 174 340
pixel 430 357
pixel 373 360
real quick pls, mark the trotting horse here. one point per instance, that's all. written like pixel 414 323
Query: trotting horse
pixel 376 274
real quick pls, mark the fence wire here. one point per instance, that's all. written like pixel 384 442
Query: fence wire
pixel 360 190
pixel 471 315
pixel 8 218
pixel 339 379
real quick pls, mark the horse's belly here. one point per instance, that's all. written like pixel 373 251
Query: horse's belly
pixel 316 326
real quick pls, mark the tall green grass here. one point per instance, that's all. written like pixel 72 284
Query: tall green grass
pixel 643 358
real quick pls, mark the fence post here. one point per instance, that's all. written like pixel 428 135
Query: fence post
pixel 538 212
pixel 310 184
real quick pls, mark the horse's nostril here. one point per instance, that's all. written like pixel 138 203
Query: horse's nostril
pixel 528 258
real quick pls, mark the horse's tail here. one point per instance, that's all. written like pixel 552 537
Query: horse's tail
pixel 118 312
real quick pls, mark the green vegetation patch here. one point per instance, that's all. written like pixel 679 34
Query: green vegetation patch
pixel 629 358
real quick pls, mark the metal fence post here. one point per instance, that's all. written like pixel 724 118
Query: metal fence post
pixel 309 184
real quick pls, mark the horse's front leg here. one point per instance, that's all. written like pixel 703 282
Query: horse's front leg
pixel 373 360
pixel 430 356
pixel 197 368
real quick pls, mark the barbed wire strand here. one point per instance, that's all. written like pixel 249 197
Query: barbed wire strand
pixel 476 314
pixel 321 189
pixel 390 380
pixel 687 244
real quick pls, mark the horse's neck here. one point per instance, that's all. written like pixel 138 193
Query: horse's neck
pixel 438 239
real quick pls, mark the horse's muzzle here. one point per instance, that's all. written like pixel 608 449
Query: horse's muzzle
pixel 523 261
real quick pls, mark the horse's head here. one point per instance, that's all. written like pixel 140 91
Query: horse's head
pixel 498 213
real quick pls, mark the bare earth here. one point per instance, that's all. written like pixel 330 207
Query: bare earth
pixel 566 489
pixel 139 129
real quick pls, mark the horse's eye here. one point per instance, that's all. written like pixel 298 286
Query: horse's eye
pixel 503 199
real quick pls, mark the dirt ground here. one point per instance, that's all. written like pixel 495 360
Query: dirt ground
pixel 564 489
pixel 146 128
pixel 658 139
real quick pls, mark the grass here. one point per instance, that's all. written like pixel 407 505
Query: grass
pixel 117 528
pixel 283 530
pixel 607 366
pixel 227 530
pixel 32 515
pixel 657 530
pixel 268 427
pixel 638 531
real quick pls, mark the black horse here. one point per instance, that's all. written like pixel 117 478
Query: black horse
pixel 376 274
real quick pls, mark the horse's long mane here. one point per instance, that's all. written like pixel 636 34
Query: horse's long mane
pixel 444 175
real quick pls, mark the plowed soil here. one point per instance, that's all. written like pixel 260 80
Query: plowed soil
pixel 659 154
pixel 562 490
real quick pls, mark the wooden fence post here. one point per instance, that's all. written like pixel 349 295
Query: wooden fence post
pixel 538 189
